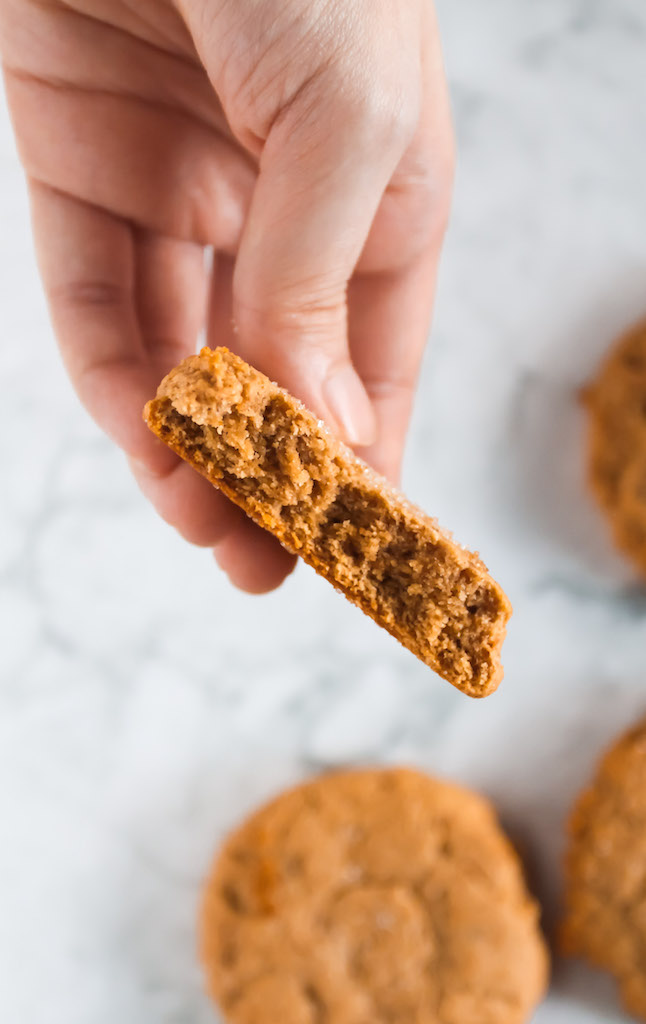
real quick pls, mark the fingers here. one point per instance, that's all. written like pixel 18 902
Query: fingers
pixel 171 289
pixel 252 558
pixel 127 306
pixel 57 43
pixel 389 322
pixel 391 298
pixel 99 280
pixel 170 297
pixel 324 169
pixel 145 162
pixel 413 214
pixel 171 301
pixel 187 501
pixel 87 261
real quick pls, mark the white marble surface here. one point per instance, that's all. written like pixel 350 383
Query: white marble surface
pixel 144 706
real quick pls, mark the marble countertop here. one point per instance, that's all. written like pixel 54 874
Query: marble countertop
pixel 145 706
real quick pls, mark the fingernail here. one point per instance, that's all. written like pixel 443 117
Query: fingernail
pixel 350 406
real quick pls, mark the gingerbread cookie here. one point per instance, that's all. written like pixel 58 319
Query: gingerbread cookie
pixel 377 895
pixel 616 403
pixel 605 895
pixel 272 457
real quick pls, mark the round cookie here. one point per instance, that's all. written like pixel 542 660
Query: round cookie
pixel 370 896
pixel 605 895
pixel 616 403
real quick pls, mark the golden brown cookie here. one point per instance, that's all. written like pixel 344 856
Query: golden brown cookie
pixel 272 457
pixel 616 403
pixel 605 895
pixel 370 896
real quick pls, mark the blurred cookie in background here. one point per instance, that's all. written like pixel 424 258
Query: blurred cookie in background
pixel 605 895
pixel 372 895
pixel 616 404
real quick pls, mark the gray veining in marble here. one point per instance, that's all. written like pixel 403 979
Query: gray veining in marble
pixel 144 707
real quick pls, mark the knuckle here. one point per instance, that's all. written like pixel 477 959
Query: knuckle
pixel 446 166
pixel 391 389
pixel 383 114
pixel 307 304
pixel 407 106
pixel 266 64
pixel 438 204
pixel 424 203
pixel 427 231
pixel 288 331
pixel 89 294
pixel 412 224
pixel 310 323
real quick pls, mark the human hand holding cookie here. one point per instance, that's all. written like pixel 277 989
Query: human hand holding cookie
pixel 308 143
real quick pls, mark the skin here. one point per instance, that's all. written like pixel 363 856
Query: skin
pixel 306 143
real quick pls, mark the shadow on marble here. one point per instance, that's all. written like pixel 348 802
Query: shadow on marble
pixel 593 991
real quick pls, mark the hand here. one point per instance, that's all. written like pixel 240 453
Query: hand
pixel 308 142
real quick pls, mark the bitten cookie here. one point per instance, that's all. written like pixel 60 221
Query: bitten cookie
pixel 377 895
pixel 616 403
pixel 272 457
pixel 605 894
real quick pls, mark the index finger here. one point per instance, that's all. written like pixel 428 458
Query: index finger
pixel 389 318
pixel 391 297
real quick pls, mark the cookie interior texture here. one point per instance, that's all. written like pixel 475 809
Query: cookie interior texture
pixel 372 897
pixel 605 892
pixel 616 403
pixel 280 464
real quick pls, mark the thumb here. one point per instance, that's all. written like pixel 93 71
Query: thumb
pixel 324 168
